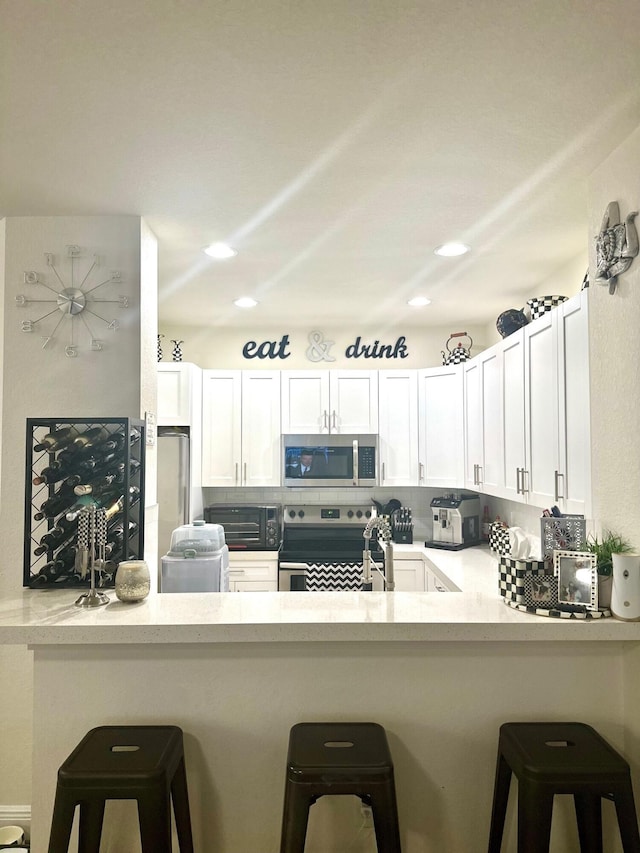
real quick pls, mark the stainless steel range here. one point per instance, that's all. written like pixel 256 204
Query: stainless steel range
pixel 322 547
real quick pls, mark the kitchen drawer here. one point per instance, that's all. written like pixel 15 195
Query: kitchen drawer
pixel 249 572
pixel 251 586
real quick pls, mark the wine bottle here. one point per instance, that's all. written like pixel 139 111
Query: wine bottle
pixel 52 473
pixel 59 534
pixel 112 501
pixel 56 440
pixel 90 437
pixel 58 470
pixel 54 505
pixel 99 486
pixel 63 563
pixel 116 532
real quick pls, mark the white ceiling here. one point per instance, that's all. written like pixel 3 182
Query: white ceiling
pixel 335 143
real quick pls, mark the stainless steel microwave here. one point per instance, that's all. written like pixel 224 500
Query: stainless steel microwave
pixel 330 460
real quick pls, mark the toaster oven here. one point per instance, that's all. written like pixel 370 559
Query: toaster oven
pixel 247 527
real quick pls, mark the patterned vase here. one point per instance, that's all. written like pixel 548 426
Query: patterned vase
pixel 177 350
pixel 160 348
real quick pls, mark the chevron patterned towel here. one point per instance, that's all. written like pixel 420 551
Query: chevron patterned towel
pixel 333 577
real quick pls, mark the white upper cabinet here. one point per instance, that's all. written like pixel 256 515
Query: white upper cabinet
pixel 398 427
pixel 329 401
pixel 179 394
pixel 512 413
pixel 441 427
pixel 573 489
pixel 541 409
pixel 482 426
pixel 527 413
pixel 241 428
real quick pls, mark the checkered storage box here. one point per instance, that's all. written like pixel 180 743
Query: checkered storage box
pixel 512 577
pixel 499 538
pixel 539 305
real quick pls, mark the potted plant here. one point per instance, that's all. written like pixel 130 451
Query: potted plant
pixel 604 549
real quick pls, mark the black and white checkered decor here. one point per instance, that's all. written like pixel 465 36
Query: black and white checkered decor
pixel 539 305
pixel 457 356
pixel 322 577
pixel 499 538
pixel 512 577
pixel 559 614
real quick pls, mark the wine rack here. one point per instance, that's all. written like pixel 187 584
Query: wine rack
pixel 102 456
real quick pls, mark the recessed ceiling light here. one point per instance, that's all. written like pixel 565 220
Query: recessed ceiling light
pixel 451 250
pixel 245 302
pixel 220 251
pixel 419 301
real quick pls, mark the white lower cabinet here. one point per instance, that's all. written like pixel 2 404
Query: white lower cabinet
pixel 251 572
pixel 433 583
pixel 408 575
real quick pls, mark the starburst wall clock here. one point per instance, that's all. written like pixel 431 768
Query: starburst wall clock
pixel 70 307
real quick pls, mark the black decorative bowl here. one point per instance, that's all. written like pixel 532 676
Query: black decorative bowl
pixel 510 321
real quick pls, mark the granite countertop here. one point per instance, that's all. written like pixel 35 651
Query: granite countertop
pixel 475 614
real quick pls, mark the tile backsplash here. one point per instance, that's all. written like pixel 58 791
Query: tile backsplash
pixel 417 499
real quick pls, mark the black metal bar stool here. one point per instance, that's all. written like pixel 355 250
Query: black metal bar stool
pixel 561 758
pixel 339 758
pixel 143 763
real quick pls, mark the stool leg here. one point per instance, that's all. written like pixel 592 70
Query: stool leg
pixel 180 796
pixel 91 818
pixel 154 816
pixel 534 818
pixel 63 811
pixel 627 819
pixel 385 818
pixel 295 818
pixel 500 800
pixel 589 818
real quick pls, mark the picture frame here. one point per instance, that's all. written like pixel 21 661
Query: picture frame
pixel 577 576
pixel 541 591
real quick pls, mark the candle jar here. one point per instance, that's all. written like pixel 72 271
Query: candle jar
pixel 132 580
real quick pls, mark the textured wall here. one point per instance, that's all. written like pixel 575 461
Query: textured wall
pixel 615 357
pixel 44 382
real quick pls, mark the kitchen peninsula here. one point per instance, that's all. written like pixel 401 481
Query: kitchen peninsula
pixel 440 671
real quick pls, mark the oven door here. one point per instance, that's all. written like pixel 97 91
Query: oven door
pixel 292 576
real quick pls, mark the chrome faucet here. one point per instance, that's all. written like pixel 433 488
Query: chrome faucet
pixel 383 524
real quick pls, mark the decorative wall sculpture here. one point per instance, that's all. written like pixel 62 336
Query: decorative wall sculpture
pixel 616 246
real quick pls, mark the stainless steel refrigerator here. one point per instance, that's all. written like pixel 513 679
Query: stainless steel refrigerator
pixel 174 486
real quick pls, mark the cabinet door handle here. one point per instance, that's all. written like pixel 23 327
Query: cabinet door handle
pixel 525 473
pixel 383 472
pixel 475 475
pixel 556 477
pixel 245 474
pixel 518 486
pixel 325 420
pixel 420 471
pixel 479 481
pixel 334 417
pixel 236 479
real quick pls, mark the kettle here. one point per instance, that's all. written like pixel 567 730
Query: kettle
pixel 458 354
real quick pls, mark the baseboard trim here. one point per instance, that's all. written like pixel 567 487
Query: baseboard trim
pixel 16 816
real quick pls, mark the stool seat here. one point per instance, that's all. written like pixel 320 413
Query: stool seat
pixel 339 758
pixel 145 763
pixel 551 758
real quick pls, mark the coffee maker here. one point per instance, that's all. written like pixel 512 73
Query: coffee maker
pixel 456 521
